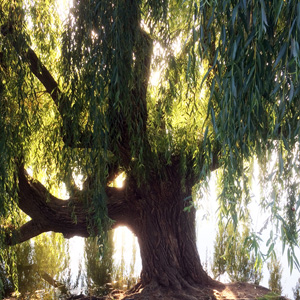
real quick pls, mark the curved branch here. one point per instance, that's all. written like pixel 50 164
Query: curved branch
pixel 69 217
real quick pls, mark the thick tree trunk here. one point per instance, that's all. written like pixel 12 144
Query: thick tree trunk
pixel 167 240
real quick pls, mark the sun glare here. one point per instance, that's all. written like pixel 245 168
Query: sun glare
pixel 119 181
pixel 125 244
pixel 154 78
pixel 63 8
pixel 159 51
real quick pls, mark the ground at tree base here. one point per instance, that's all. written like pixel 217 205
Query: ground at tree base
pixel 230 291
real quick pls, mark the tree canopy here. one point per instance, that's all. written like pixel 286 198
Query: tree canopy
pixel 76 98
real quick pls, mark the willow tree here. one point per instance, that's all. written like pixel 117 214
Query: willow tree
pixel 76 99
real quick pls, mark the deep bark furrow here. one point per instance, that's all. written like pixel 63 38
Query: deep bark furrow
pixel 169 254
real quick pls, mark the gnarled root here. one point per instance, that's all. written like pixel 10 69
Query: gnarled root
pixel 153 291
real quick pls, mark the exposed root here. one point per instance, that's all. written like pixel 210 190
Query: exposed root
pixel 218 291
pixel 154 291
pixel 231 291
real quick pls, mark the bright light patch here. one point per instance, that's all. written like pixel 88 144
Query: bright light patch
pixel 76 246
pixel 177 45
pixel 29 171
pixel 154 78
pixel 124 243
pixel 63 8
pixel 119 181
pixel 78 178
pixel 62 192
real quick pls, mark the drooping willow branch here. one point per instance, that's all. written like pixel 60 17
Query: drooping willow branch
pixel 45 77
pixel 141 69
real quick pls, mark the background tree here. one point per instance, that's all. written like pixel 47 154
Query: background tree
pixel 39 265
pixel 76 100
pixel 275 275
pixel 296 291
pixel 233 255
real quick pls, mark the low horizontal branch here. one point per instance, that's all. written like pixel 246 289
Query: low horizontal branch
pixel 70 217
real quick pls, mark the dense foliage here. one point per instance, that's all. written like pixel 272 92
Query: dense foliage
pixel 228 93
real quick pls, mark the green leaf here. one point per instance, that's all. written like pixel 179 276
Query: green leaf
pixel 292 27
pixel 211 18
pixel 271 248
pixel 234 49
pixel 216 57
pixel 187 208
pixel 234 14
pixel 286 145
pixel 263 16
pixel 223 35
pixel 187 198
pixel 291 93
pixel 280 168
pixel 214 120
pixel 205 76
pixel 278 11
pixel 280 54
pixel 294 48
pixel 250 38
pixel 298 15
pixel 249 77
pixel 233 88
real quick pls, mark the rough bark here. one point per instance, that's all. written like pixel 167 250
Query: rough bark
pixel 167 239
pixel 69 217
pixel 168 248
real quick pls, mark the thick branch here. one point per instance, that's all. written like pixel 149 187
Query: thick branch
pixel 143 53
pixel 35 65
pixel 44 76
pixel 47 80
pixel 136 120
pixel 70 217
pixel 24 233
